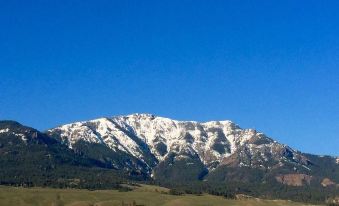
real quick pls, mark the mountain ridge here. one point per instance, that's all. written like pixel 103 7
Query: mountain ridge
pixel 217 157
pixel 152 139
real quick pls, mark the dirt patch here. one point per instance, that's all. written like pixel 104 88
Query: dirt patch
pixel 294 179
pixel 327 182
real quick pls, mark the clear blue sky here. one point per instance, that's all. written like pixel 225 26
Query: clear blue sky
pixel 269 65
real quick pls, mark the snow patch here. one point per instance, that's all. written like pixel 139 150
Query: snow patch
pixel 4 130
pixel 7 130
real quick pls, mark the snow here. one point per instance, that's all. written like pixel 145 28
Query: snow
pixel 7 130
pixel 4 130
pixel 22 136
pixel 307 168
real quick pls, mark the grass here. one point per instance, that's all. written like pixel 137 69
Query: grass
pixel 144 195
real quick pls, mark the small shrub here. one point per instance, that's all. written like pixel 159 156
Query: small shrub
pixel 175 192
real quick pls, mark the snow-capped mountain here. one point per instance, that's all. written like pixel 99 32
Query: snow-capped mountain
pixel 152 139
pixel 151 148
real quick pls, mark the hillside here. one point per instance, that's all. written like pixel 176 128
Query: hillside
pixel 31 158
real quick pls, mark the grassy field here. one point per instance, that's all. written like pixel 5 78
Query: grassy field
pixel 145 195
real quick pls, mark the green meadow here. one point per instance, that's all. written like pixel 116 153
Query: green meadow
pixel 144 195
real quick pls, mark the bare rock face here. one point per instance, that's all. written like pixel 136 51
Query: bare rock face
pixel 327 182
pixel 294 179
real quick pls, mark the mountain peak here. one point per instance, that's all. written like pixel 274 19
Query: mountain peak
pixel 140 115
pixel 152 116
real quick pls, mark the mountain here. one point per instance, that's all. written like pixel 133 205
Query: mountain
pixel 32 158
pixel 153 139
pixel 170 149
pixel 217 157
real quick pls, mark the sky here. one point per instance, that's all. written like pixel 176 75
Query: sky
pixel 268 65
